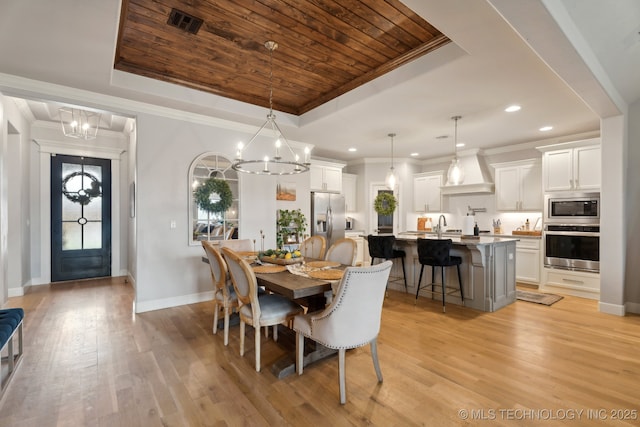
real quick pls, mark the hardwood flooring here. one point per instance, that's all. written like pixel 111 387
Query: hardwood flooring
pixel 89 361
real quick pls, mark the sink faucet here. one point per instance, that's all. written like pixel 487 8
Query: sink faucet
pixel 439 228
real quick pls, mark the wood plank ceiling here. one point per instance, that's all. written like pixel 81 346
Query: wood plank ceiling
pixel 326 47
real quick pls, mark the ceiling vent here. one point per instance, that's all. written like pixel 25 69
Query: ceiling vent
pixel 184 21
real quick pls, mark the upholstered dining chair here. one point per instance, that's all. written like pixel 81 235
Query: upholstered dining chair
pixel 266 310
pixel 343 251
pixel 238 245
pixel 224 298
pixel 358 304
pixel 313 247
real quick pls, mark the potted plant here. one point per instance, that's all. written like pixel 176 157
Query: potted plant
pixel 289 223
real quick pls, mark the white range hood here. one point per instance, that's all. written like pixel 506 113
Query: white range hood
pixel 476 176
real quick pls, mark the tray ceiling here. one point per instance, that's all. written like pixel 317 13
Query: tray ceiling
pixel 326 48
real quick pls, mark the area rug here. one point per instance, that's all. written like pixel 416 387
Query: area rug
pixel 537 297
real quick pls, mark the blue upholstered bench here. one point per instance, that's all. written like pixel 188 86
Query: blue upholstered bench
pixel 10 324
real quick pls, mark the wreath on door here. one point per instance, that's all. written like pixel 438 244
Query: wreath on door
pixel 214 186
pixel 384 204
pixel 84 194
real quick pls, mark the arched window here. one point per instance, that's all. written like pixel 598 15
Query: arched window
pixel 212 225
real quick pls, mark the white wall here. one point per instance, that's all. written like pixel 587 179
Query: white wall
pixel 632 208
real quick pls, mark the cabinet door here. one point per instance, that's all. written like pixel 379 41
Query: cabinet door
pixel 531 198
pixel 433 195
pixel 420 186
pixel 333 179
pixel 587 167
pixel 316 178
pixel 508 188
pixel 528 265
pixel 558 170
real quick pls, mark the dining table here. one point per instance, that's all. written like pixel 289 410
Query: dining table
pixel 307 291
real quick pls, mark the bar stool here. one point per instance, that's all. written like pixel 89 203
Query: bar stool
pixel 382 247
pixel 436 253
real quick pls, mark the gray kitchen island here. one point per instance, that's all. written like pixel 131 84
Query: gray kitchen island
pixel 488 270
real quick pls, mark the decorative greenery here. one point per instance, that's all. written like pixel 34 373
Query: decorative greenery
pixel 289 222
pixel 218 186
pixel 83 195
pixel 384 204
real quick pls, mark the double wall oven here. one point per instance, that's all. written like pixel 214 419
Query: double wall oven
pixel 572 231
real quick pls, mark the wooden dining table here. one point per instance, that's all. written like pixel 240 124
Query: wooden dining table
pixel 310 292
pixel 307 291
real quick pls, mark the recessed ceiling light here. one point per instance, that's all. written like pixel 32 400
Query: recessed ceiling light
pixel 546 128
pixel 414 154
pixel 460 144
pixel 353 149
pixel 512 108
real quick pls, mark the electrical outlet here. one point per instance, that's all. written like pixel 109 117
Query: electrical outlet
pixel 173 224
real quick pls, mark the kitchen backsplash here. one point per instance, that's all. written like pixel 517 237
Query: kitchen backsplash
pixel 458 206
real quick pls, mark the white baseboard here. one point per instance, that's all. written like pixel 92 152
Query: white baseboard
pixel 16 292
pixel 159 304
pixel 615 309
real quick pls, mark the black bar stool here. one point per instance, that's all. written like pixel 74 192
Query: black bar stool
pixel 436 253
pixel 382 247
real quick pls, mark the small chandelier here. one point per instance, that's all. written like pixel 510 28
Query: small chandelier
pixel 284 161
pixel 455 175
pixel 391 176
pixel 77 123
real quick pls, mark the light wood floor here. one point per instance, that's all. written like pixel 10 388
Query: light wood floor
pixel 90 361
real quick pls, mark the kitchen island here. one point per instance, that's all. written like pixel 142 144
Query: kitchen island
pixel 488 269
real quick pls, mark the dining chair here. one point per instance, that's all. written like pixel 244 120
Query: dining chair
pixel 313 247
pixel 358 304
pixel 257 311
pixel 343 251
pixel 238 245
pixel 224 298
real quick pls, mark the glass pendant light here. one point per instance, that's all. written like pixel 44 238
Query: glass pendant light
pixel 391 176
pixel 455 175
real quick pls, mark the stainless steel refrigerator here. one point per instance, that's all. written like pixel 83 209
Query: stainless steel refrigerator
pixel 327 216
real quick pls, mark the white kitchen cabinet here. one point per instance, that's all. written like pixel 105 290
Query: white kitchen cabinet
pixel 325 178
pixel 349 187
pixel 578 283
pixel 427 195
pixel 528 260
pixel 572 169
pixel 362 249
pixel 519 186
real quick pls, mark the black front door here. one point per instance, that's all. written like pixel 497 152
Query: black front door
pixel 80 218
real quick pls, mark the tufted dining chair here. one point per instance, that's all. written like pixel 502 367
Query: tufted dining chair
pixel 343 251
pixel 224 297
pixel 258 311
pixel 314 247
pixel 358 304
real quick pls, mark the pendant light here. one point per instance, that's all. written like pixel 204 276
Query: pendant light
pixel 391 176
pixel 284 160
pixel 455 175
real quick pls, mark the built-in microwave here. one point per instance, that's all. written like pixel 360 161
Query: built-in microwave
pixel 572 208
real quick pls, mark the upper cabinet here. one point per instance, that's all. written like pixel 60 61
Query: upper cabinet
pixel 519 186
pixel 349 190
pixel 572 168
pixel 325 176
pixel 427 195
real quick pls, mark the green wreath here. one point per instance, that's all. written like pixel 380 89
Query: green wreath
pixel 218 186
pixel 384 204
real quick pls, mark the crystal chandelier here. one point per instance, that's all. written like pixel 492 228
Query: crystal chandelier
pixel 77 123
pixel 391 176
pixel 284 160
pixel 455 175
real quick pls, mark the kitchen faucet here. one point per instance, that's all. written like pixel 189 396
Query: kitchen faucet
pixel 439 227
